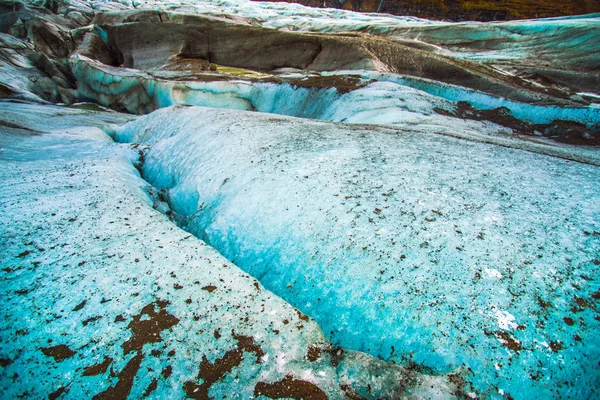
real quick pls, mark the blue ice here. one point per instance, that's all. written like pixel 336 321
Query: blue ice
pixel 409 246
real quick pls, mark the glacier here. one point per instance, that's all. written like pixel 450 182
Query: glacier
pixel 107 86
pixel 393 243
pixel 324 76
pixel 375 98
pixel 105 286
pixel 238 199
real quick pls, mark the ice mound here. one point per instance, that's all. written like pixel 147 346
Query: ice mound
pixel 104 297
pixel 409 246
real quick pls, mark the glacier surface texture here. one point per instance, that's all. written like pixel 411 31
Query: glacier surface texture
pixel 232 199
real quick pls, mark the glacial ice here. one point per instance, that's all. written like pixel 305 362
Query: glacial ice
pixel 387 98
pixel 533 113
pixel 104 84
pixel 571 40
pixel 447 258
pixel 85 256
pixel 394 243
pixel 384 99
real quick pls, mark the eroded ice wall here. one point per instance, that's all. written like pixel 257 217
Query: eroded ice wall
pixel 140 92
